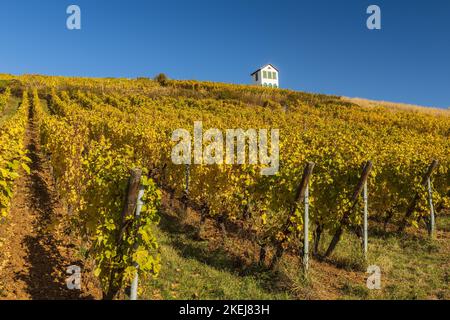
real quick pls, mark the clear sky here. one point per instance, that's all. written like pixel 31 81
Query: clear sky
pixel 319 46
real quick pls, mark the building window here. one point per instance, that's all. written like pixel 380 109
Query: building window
pixel 274 76
pixel 275 86
pixel 264 74
pixel 270 74
pixel 256 76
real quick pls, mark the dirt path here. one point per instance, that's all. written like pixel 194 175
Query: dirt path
pixel 36 253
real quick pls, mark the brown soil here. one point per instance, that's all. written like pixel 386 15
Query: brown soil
pixel 35 250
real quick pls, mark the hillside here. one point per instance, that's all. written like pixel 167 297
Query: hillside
pixel 217 231
pixel 396 106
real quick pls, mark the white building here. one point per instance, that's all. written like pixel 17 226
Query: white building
pixel 266 76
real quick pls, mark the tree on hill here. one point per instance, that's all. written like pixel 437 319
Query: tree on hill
pixel 162 78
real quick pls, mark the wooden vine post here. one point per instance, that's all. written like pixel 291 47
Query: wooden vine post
pixel 425 182
pixel 127 212
pixel 185 197
pixel 187 173
pixel 353 200
pixel 432 227
pixel 302 195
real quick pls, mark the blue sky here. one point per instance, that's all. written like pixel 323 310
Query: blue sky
pixel 319 46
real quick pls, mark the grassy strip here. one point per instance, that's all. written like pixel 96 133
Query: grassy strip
pixel 10 110
pixel 412 267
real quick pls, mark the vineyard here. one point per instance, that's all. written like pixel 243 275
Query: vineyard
pixel 97 135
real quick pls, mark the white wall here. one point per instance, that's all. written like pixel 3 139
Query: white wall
pixel 266 81
pixel 270 81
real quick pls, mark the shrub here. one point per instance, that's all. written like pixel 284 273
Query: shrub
pixel 162 79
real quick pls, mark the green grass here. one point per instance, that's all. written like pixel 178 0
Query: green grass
pixel 443 223
pixel 191 271
pixel 10 109
pixel 44 105
pixel 354 291
pixel 412 267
